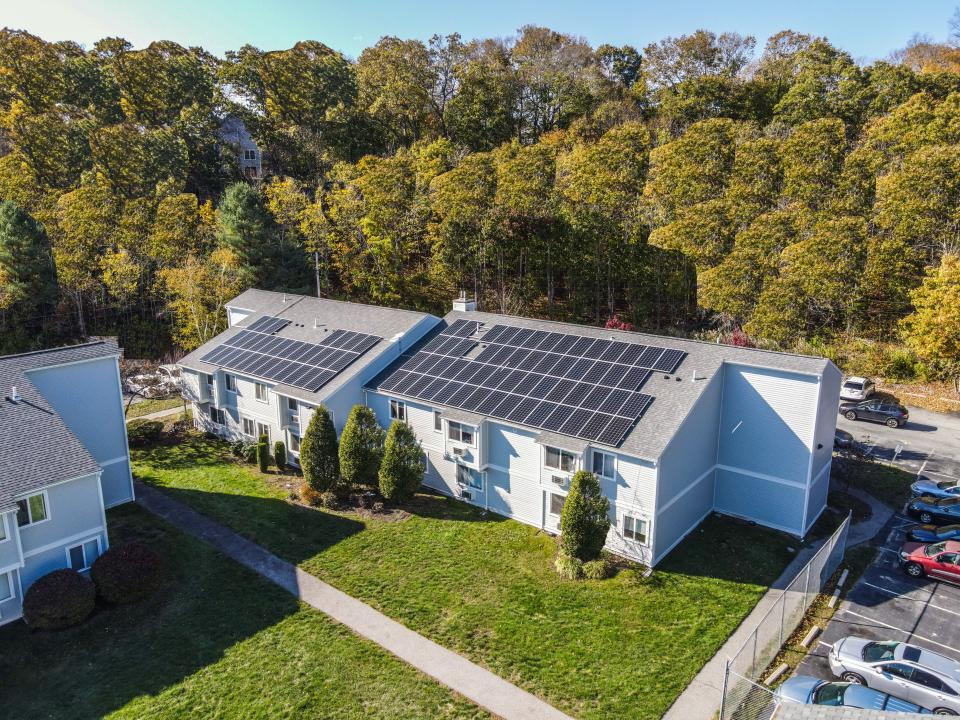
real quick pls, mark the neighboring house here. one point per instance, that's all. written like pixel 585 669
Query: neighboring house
pixel 234 132
pixel 508 408
pixel 339 346
pixel 63 460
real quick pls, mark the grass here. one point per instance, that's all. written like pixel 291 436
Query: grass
pixel 485 586
pixel 145 407
pixel 217 642
pixel 886 483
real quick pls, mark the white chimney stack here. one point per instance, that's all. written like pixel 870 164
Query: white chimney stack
pixel 464 304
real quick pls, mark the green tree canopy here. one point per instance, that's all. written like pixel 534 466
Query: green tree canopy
pixel 361 447
pixel 319 455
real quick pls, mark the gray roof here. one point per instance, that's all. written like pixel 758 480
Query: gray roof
pixel 674 396
pixel 312 319
pixel 36 446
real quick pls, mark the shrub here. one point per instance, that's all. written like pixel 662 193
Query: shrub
pixel 329 499
pixel 126 573
pixel 568 567
pixel 899 365
pixel 280 455
pixel 264 439
pixel 319 458
pixel 250 453
pixel 361 447
pixel 599 569
pixel 401 471
pixel 144 432
pixel 583 521
pixel 263 456
pixel 58 600
pixel 238 448
pixel 309 495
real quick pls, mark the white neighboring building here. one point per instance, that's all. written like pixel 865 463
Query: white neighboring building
pixel 235 133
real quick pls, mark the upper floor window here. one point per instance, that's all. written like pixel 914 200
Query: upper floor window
pixel 261 392
pixel 604 465
pixel 210 379
pixel 292 404
pixel 249 154
pixel 459 432
pixel 6 587
pixel 32 509
pixel 635 528
pixel 557 459
pixel 437 421
pixel 3 528
pixel 81 556
pixel 231 382
pixel 398 410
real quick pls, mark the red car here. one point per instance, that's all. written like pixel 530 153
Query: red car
pixel 938 560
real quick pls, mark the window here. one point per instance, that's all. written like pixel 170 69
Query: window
pixel 560 459
pixel 292 404
pixel 460 433
pixel 32 510
pixel 927 680
pixel 249 154
pixel 6 587
pixel 604 465
pixel 398 410
pixel 898 670
pixel 261 392
pixel 217 416
pixel 635 528
pixel 263 429
pixel 210 380
pixel 248 427
pixel 294 443
pixel 556 504
pixel 3 528
pixel 81 556
pixel 437 421
pixel 468 476
pixel 231 382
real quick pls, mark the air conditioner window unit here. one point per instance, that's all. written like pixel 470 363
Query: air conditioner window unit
pixel 459 451
pixel 466 495
pixel 558 480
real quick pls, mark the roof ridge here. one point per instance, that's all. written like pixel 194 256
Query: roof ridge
pixel 334 300
pixel 52 350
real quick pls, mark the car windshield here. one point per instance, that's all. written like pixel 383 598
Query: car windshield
pixel 829 694
pixel 879 651
pixel 946 484
pixel 934 549
pixel 854 385
pixel 947 530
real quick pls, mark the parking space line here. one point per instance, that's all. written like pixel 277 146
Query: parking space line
pixel 926 603
pixel 941 474
pixel 894 627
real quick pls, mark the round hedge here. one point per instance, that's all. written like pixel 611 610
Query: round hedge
pixel 58 600
pixel 126 573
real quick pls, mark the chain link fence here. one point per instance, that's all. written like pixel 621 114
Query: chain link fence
pixel 742 697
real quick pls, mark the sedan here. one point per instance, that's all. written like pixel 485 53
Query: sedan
pixel 905 671
pixel 925 486
pixel 889 413
pixel 813 691
pixel 933 533
pixel 929 510
pixel 940 561
pixel 842 439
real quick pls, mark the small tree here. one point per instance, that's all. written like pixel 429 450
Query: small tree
pixel 263 456
pixel 584 522
pixel 401 471
pixel 319 458
pixel 361 447
pixel 933 330
pixel 280 455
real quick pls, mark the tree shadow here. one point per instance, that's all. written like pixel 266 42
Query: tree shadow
pixel 437 506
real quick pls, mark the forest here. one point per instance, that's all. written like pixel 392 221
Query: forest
pixel 782 195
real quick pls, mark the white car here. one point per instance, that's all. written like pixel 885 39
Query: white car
pixel 857 388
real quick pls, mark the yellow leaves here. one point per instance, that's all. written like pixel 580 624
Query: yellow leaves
pixel 933 329
pixel 121 274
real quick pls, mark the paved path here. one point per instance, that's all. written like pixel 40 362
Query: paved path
pixel 160 414
pixel 865 531
pixel 456 672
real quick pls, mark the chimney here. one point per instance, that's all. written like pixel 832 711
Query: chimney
pixel 463 303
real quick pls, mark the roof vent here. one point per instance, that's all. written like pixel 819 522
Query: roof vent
pixel 14 395
pixel 697 375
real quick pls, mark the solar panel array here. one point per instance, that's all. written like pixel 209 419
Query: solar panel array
pixel 571 384
pixel 257 351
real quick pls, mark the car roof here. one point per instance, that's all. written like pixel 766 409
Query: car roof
pixel 928 659
pixel 857 379
pixel 860 696
pixel 952 546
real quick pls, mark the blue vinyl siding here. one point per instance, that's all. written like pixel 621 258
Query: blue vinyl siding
pixel 769 503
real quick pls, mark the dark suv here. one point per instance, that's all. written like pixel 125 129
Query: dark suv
pixel 889 413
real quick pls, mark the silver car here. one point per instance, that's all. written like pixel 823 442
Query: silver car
pixel 857 388
pixel 906 671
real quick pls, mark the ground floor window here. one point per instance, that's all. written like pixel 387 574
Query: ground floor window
pixel 217 416
pixel 294 443
pixel 635 528
pixel 248 427
pixel 6 586
pixel 263 429
pixel 81 556
pixel 556 504
pixel 470 477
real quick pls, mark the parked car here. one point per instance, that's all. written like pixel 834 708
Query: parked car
pixel 929 510
pixel 925 486
pixel 933 533
pixel 889 413
pixel 814 691
pixel 842 439
pixel 940 561
pixel 906 671
pixel 857 388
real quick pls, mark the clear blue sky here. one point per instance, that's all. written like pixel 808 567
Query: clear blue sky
pixel 866 29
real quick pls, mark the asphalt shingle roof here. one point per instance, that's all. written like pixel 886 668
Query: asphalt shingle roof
pixel 36 446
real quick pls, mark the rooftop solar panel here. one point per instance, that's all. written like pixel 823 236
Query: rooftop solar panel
pixel 268 324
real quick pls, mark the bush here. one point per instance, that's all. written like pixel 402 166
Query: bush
pixel 263 456
pixel 238 448
pixel 126 573
pixel 584 520
pixel 142 433
pixel 58 600
pixel 361 447
pixel 899 365
pixel 597 569
pixel 250 453
pixel 319 458
pixel 329 499
pixel 280 455
pixel 401 471
pixel 309 495
pixel 568 567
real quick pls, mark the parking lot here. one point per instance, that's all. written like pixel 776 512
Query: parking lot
pixel 886 604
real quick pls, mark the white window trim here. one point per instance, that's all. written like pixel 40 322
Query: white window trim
pixel 4 527
pixel 636 516
pixel 226 383
pixel 46 505
pixel 269 435
pixel 461 426
pixel 550 511
pixel 290 445
pixel 266 392
pixel 244 418
pixel 11 584
pixel 437 415
pixel 402 409
pixel 606 454
pixel 575 456
pixel 80 545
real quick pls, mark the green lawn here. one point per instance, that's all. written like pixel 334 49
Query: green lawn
pixel 217 642
pixel 887 483
pixel 485 586
pixel 145 407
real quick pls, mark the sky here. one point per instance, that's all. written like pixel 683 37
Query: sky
pixel 867 29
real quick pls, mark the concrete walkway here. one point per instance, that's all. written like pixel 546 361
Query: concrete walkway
pixel 456 672
pixel 159 414
pixel 865 531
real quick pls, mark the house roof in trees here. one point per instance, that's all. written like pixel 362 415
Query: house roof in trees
pixel 37 448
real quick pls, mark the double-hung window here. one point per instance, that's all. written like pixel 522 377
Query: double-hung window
pixel 249 154
pixel 556 504
pixel 261 392
pixel 231 382
pixel 468 476
pixel 209 380
pixel 217 416
pixel 437 421
pixel 6 586
pixel 32 509
pixel 398 410
pixel 294 443
pixel 81 556
pixel 249 429
pixel 292 404
pixel 458 432
pixel 604 465
pixel 635 528
pixel 557 459
pixel 263 430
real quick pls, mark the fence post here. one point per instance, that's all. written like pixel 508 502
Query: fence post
pixel 783 612
pixel 723 692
